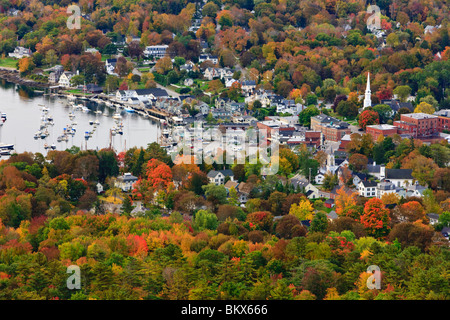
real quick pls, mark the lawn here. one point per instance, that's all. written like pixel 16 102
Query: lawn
pixel 8 63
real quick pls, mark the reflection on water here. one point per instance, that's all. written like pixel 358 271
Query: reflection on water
pixel 23 108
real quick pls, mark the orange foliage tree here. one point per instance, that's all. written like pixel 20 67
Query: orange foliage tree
pixel 375 218
pixel 345 203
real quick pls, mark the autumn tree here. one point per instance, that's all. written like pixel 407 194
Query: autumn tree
pixel 368 117
pixel 345 203
pixel 158 174
pixel 358 162
pixel 303 210
pixel 424 107
pixel 375 218
pixel 163 65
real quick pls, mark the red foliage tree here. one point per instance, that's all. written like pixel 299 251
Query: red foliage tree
pixel 159 174
pixel 368 117
pixel 375 218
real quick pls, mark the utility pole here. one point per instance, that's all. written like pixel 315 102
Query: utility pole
pixel 310 175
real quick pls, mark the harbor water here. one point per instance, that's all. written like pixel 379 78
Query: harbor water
pixel 26 111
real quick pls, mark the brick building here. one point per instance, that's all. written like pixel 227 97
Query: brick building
pixel 381 130
pixel 443 119
pixel 331 128
pixel 417 125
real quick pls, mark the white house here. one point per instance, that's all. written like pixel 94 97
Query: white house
pixel 229 82
pixel 157 51
pixel 385 187
pixel 211 73
pixel 433 217
pixel 64 79
pixel 125 182
pixel 206 56
pixel 319 178
pixel 248 85
pixel 150 93
pixel 399 177
pixel 110 65
pixel 99 188
pixel 124 95
pixel 20 52
pixel 367 189
pixel 218 177
pixel 188 82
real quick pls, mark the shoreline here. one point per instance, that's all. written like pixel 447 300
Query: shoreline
pixel 13 76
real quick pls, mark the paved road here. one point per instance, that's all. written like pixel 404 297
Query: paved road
pixel 169 91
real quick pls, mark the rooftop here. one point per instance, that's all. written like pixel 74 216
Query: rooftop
pixel 419 115
pixel 382 126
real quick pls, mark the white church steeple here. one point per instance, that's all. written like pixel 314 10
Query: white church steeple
pixel 367 94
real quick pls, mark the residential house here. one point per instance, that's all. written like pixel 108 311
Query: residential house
pixel 231 184
pixel 319 178
pixel 218 177
pixel 396 104
pixel 332 216
pixel 385 187
pixel 433 218
pixel 225 73
pixel 329 203
pixel 221 102
pixel 124 95
pixel 221 114
pixel 138 210
pixel 206 56
pixel 248 85
pixel 20 52
pixel 376 170
pixel 53 77
pixel 415 190
pixel 126 182
pixel 400 177
pixel 307 188
pixel 367 188
pixel 157 51
pixel 99 188
pixel 150 94
pixel 188 82
pixel 110 65
pixel 211 73
pixel 358 177
pixel 229 82
pixel 244 189
pixel 64 79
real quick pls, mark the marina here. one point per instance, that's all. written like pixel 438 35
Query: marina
pixel 37 122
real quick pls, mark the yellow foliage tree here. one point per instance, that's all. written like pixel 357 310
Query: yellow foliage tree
pixel 424 107
pixel 303 210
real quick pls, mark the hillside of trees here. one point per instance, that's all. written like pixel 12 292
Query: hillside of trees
pixel 194 241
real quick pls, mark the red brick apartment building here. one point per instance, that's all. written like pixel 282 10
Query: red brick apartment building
pixel 417 124
pixel 443 120
pixel 331 128
pixel 378 130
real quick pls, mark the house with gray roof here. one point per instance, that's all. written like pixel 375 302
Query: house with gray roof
pixel 218 177
pixel 126 182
